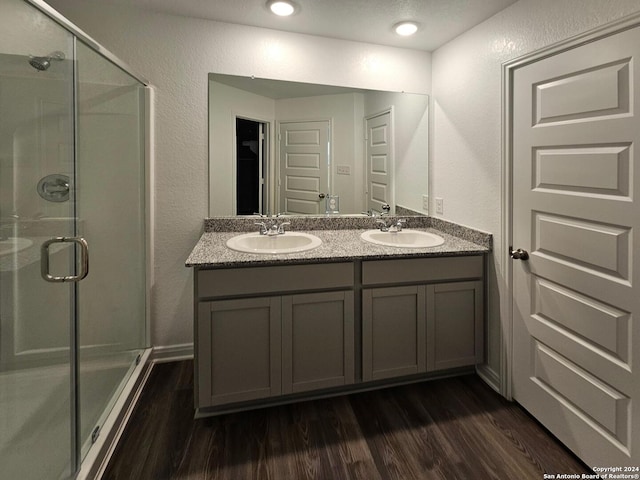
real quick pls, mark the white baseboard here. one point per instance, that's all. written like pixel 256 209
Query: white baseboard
pixel 172 353
pixel 489 376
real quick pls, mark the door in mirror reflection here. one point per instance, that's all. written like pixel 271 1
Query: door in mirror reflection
pixel 304 166
pixel 379 157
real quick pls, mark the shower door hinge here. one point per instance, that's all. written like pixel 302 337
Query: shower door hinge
pixel 95 434
pixel 138 358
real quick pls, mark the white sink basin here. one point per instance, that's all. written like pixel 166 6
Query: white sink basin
pixel 290 242
pixel 404 238
pixel 14 245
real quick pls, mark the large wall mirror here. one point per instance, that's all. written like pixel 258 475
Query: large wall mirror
pixel 307 149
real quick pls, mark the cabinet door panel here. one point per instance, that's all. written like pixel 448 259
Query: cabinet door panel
pixel 318 341
pixel 454 325
pixel 393 329
pixel 239 350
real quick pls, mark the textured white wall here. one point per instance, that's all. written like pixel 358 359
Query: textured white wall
pixel 176 54
pixel 225 103
pixel 466 138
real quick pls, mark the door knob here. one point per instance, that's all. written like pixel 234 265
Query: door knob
pixel 518 254
pixel 321 195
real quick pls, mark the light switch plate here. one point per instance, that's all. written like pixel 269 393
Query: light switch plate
pixel 343 170
pixel 425 203
pixel 439 206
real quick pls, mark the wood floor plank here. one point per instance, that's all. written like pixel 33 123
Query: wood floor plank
pixel 455 428
pixel 475 437
pixel 508 419
pixel 396 440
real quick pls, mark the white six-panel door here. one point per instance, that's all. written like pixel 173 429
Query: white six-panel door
pixel 379 155
pixel 304 166
pixel 576 211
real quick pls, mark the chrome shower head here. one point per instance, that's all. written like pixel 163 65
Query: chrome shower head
pixel 43 63
pixel 40 63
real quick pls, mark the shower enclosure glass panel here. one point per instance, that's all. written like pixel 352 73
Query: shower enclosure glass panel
pixel 72 164
pixel 37 399
pixel 110 215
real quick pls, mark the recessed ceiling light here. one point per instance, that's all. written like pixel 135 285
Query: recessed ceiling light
pixel 282 8
pixel 406 28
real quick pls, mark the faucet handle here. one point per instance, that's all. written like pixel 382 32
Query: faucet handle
pixel 383 225
pixel 263 227
pixel 281 226
pixel 399 223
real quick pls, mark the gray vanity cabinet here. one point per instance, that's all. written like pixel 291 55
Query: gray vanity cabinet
pixel 454 325
pixel 393 332
pixel 238 350
pixel 317 341
pixel 282 335
pixel 264 332
pixel 421 315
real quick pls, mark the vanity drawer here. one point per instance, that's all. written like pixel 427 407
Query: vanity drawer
pixel 274 279
pixel 420 270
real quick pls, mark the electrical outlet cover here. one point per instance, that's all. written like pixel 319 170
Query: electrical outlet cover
pixel 343 170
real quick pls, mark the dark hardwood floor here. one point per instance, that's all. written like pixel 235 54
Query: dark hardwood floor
pixel 455 428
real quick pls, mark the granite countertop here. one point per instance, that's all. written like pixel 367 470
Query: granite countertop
pixel 337 245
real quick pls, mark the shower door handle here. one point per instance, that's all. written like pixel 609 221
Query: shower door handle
pixel 84 259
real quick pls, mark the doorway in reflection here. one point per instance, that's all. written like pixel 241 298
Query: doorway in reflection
pixel 251 166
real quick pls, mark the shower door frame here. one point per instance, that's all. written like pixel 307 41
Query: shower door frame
pixel 97 457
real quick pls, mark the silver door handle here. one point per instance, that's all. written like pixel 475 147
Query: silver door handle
pixel 518 254
pixel 84 259
pixel 321 196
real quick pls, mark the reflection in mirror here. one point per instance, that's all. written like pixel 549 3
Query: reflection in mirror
pixel 299 148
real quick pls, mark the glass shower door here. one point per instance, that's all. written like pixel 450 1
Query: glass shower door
pixel 72 202
pixel 111 217
pixel 37 393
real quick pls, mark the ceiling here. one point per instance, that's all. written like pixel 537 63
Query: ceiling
pixel 369 21
pixel 278 89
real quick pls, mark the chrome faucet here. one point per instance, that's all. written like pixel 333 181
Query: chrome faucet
pixel 397 226
pixel 392 227
pixel 271 227
pixel 383 225
pixel 372 213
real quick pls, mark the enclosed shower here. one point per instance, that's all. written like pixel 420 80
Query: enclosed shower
pixel 73 242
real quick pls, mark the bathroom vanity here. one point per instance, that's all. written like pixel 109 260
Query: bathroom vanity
pixel 345 316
